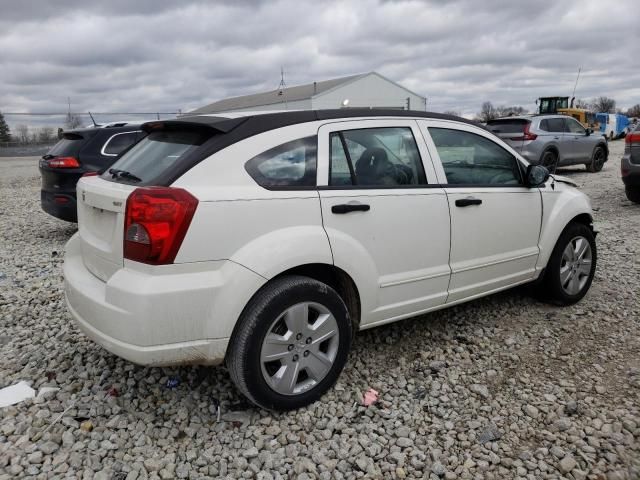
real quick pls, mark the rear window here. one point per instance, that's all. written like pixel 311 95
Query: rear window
pixel 69 145
pixel 552 125
pixel 507 126
pixel 156 153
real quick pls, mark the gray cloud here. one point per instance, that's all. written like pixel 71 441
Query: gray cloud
pixel 160 55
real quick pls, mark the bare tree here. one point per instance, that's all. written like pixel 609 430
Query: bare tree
pixel 46 135
pixel 581 103
pixel 455 113
pixel 22 133
pixel 72 121
pixel 604 104
pixel 487 112
pixel 509 111
pixel 634 111
pixel 5 133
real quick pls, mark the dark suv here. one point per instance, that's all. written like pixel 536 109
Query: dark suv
pixel 77 153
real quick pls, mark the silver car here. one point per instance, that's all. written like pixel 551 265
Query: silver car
pixel 552 140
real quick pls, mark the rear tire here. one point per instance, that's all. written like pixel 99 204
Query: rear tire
pixel 290 344
pixel 597 160
pixel 633 194
pixel 549 160
pixel 571 267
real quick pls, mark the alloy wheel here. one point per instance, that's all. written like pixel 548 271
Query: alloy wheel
pixel 300 348
pixel 575 265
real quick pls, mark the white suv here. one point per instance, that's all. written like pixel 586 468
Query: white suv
pixel 265 241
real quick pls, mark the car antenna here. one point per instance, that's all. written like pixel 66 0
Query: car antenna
pixel 94 122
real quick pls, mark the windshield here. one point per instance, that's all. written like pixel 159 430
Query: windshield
pixel 154 154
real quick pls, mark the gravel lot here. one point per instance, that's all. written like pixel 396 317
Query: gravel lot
pixel 504 387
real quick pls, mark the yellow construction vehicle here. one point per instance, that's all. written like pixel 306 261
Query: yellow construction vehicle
pixel 584 116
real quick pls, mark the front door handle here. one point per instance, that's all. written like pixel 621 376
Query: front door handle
pixel 465 202
pixel 350 207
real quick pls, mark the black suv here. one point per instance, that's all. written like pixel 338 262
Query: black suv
pixel 80 152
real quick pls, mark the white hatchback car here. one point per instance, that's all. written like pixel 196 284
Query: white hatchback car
pixel 267 240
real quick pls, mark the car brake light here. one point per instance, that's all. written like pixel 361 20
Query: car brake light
pixel 526 135
pixel 632 138
pixel 156 222
pixel 63 162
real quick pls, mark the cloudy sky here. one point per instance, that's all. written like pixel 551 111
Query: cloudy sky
pixel 160 55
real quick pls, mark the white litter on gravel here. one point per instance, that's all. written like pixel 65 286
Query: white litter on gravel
pixel 16 394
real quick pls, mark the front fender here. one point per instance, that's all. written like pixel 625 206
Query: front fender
pixel 560 207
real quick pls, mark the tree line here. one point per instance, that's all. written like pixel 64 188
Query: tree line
pixel 26 135
pixel 599 105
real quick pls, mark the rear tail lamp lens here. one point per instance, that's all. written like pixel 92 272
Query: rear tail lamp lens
pixel 156 222
pixel 526 135
pixel 63 162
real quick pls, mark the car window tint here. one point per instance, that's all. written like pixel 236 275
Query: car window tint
pixel 470 159
pixel 574 127
pixel 386 156
pixel 292 164
pixel 544 125
pixel 556 125
pixel 119 142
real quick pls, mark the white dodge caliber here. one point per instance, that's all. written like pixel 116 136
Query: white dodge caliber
pixel 265 241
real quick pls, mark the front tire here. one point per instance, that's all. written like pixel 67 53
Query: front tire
pixel 571 266
pixel 290 344
pixel 633 194
pixel 597 160
pixel 549 160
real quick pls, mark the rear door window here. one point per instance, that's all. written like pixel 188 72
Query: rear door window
pixel 156 153
pixel 373 157
pixel 555 125
pixel 119 142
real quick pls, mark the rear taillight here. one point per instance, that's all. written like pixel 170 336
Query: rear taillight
pixel 90 174
pixel 632 138
pixel 156 221
pixel 526 135
pixel 63 162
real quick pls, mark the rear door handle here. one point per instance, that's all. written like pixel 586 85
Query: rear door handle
pixel 350 207
pixel 465 202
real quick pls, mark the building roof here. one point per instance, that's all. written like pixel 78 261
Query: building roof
pixel 289 94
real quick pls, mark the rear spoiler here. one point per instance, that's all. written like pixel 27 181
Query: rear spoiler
pixel 219 124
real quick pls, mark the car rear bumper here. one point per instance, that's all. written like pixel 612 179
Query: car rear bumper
pixel 630 171
pixel 157 319
pixel 61 205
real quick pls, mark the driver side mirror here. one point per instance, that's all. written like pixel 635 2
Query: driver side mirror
pixel 589 131
pixel 536 175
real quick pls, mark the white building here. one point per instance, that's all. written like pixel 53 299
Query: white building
pixel 363 90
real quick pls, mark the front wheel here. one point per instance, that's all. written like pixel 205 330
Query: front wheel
pixel 571 267
pixel 597 160
pixel 549 160
pixel 290 344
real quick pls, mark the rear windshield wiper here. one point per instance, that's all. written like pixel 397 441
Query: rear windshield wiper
pixel 116 173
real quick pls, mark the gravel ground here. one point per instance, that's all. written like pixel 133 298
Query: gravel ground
pixel 504 387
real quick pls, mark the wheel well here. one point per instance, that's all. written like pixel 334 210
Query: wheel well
pixel 337 279
pixel 549 149
pixel 605 148
pixel 583 218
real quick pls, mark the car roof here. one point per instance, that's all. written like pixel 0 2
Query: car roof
pixel 263 121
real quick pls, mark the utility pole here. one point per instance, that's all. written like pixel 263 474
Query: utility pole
pixel 282 87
